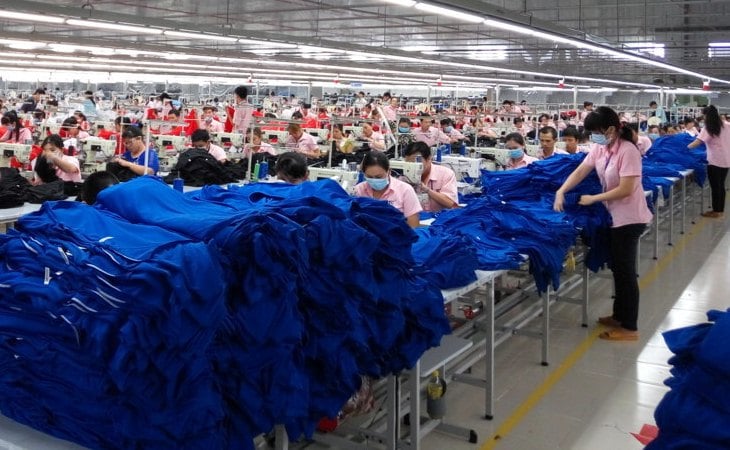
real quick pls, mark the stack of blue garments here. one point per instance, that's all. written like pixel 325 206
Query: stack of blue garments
pixel 695 413
pixel 105 327
pixel 535 186
pixel 504 231
pixel 390 313
pixel 288 277
pixel 672 152
pixel 451 260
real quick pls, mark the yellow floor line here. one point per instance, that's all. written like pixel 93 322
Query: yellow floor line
pixel 519 414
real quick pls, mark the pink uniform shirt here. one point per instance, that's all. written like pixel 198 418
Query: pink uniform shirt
pixel 24 135
pixel 431 137
pixel 622 159
pixel 217 152
pixel 524 162
pixel 63 176
pixel 242 116
pixel 643 144
pixel 441 179
pixel 718 147
pixel 398 194
pixel 306 143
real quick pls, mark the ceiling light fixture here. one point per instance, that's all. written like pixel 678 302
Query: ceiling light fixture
pixel 449 12
pixel 192 35
pixel 112 26
pixel 406 3
pixel 32 17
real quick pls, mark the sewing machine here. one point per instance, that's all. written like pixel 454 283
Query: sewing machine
pixel 411 170
pixel 346 178
pixel 499 155
pixel 319 133
pixel 21 152
pixel 463 167
pixel 227 140
pixel 164 142
pixel 97 153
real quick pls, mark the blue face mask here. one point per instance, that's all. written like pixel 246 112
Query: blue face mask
pixel 653 136
pixel 377 184
pixel 599 138
pixel 404 130
pixel 448 129
pixel 516 153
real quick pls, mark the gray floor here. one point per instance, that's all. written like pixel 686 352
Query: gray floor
pixel 594 393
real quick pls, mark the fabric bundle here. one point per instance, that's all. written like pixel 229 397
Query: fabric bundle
pixel 105 330
pixel 695 413
pixel 672 149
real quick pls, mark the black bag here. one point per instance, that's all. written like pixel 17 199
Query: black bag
pixel 198 168
pixel 12 188
pixel 45 192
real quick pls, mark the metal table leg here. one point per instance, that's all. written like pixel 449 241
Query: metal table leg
pixel 415 403
pixel 684 204
pixel 545 325
pixel 393 410
pixel 656 232
pixel 489 357
pixel 586 280
pixel 282 438
pixel 671 214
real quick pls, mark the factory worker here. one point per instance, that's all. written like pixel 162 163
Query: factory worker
pixel 391 110
pixel 207 121
pixel 548 137
pixel 653 133
pixel 448 128
pixel 380 185
pixel 201 139
pixel 53 164
pixel 172 130
pixel 375 140
pixel 437 185
pixel 291 167
pixel 515 143
pixel 258 145
pixel 405 136
pixel 134 156
pixel 15 132
pixel 617 163
pixel 571 136
pixel 243 111
pixel 428 134
pixel 95 183
pixel 302 142
pixel 521 127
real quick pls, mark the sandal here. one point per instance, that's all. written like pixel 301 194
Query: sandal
pixel 712 214
pixel 609 321
pixel 620 334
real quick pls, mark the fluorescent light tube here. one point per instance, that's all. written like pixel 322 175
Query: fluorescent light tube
pixel 193 35
pixel 406 3
pixel 449 13
pixel 32 17
pixel 112 26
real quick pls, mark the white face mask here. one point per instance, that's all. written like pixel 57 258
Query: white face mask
pixel 599 138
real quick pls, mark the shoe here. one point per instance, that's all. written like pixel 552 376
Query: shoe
pixel 609 321
pixel 619 334
pixel 713 214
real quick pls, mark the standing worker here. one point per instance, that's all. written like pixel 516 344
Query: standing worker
pixel 716 136
pixel 617 161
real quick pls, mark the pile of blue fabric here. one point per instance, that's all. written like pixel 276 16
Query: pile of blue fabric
pixel 670 153
pixel 695 413
pixel 105 331
pixel 159 328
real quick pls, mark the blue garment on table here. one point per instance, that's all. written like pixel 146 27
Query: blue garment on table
pixel 451 260
pixel 109 323
pixel 673 149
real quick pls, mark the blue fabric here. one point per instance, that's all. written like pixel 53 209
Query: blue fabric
pixel 451 260
pixel 695 413
pixel 673 150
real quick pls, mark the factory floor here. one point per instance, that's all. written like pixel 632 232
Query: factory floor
pixel 594 394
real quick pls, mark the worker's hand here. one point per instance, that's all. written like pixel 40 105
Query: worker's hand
pixel 559 200
pixel 587 200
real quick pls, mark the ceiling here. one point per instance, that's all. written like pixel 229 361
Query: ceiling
pixel 375 38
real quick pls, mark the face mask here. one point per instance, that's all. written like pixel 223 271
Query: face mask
pixel 378 184
pixel 599 138
pixel 653 136
pixel 404 130
pixel 448 129
pixel 10 127
pixel 516 153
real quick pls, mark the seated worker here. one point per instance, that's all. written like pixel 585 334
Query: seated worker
pixel 258 146
pixel 208 122
pixel 73 134
pixel 515 143
pixel 437 184
pixel 172 130
pixel 201 139
pixel 15 132
pixel 548 136
pixel 380 185
pixel 653 132
pixel 134 156
pixel 405 136
pixel 374 139
pixel 340 142
pixel 571 136
pixel 95 183
pixel 447 127
pixel 53 164
pixel 643 143
pixel 302 142
pixel 120 123
pixel 428 134
pixel 291 167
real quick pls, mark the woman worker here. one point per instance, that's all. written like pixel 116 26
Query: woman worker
pixel 716 136
pixel 617 161
pixel 380 185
